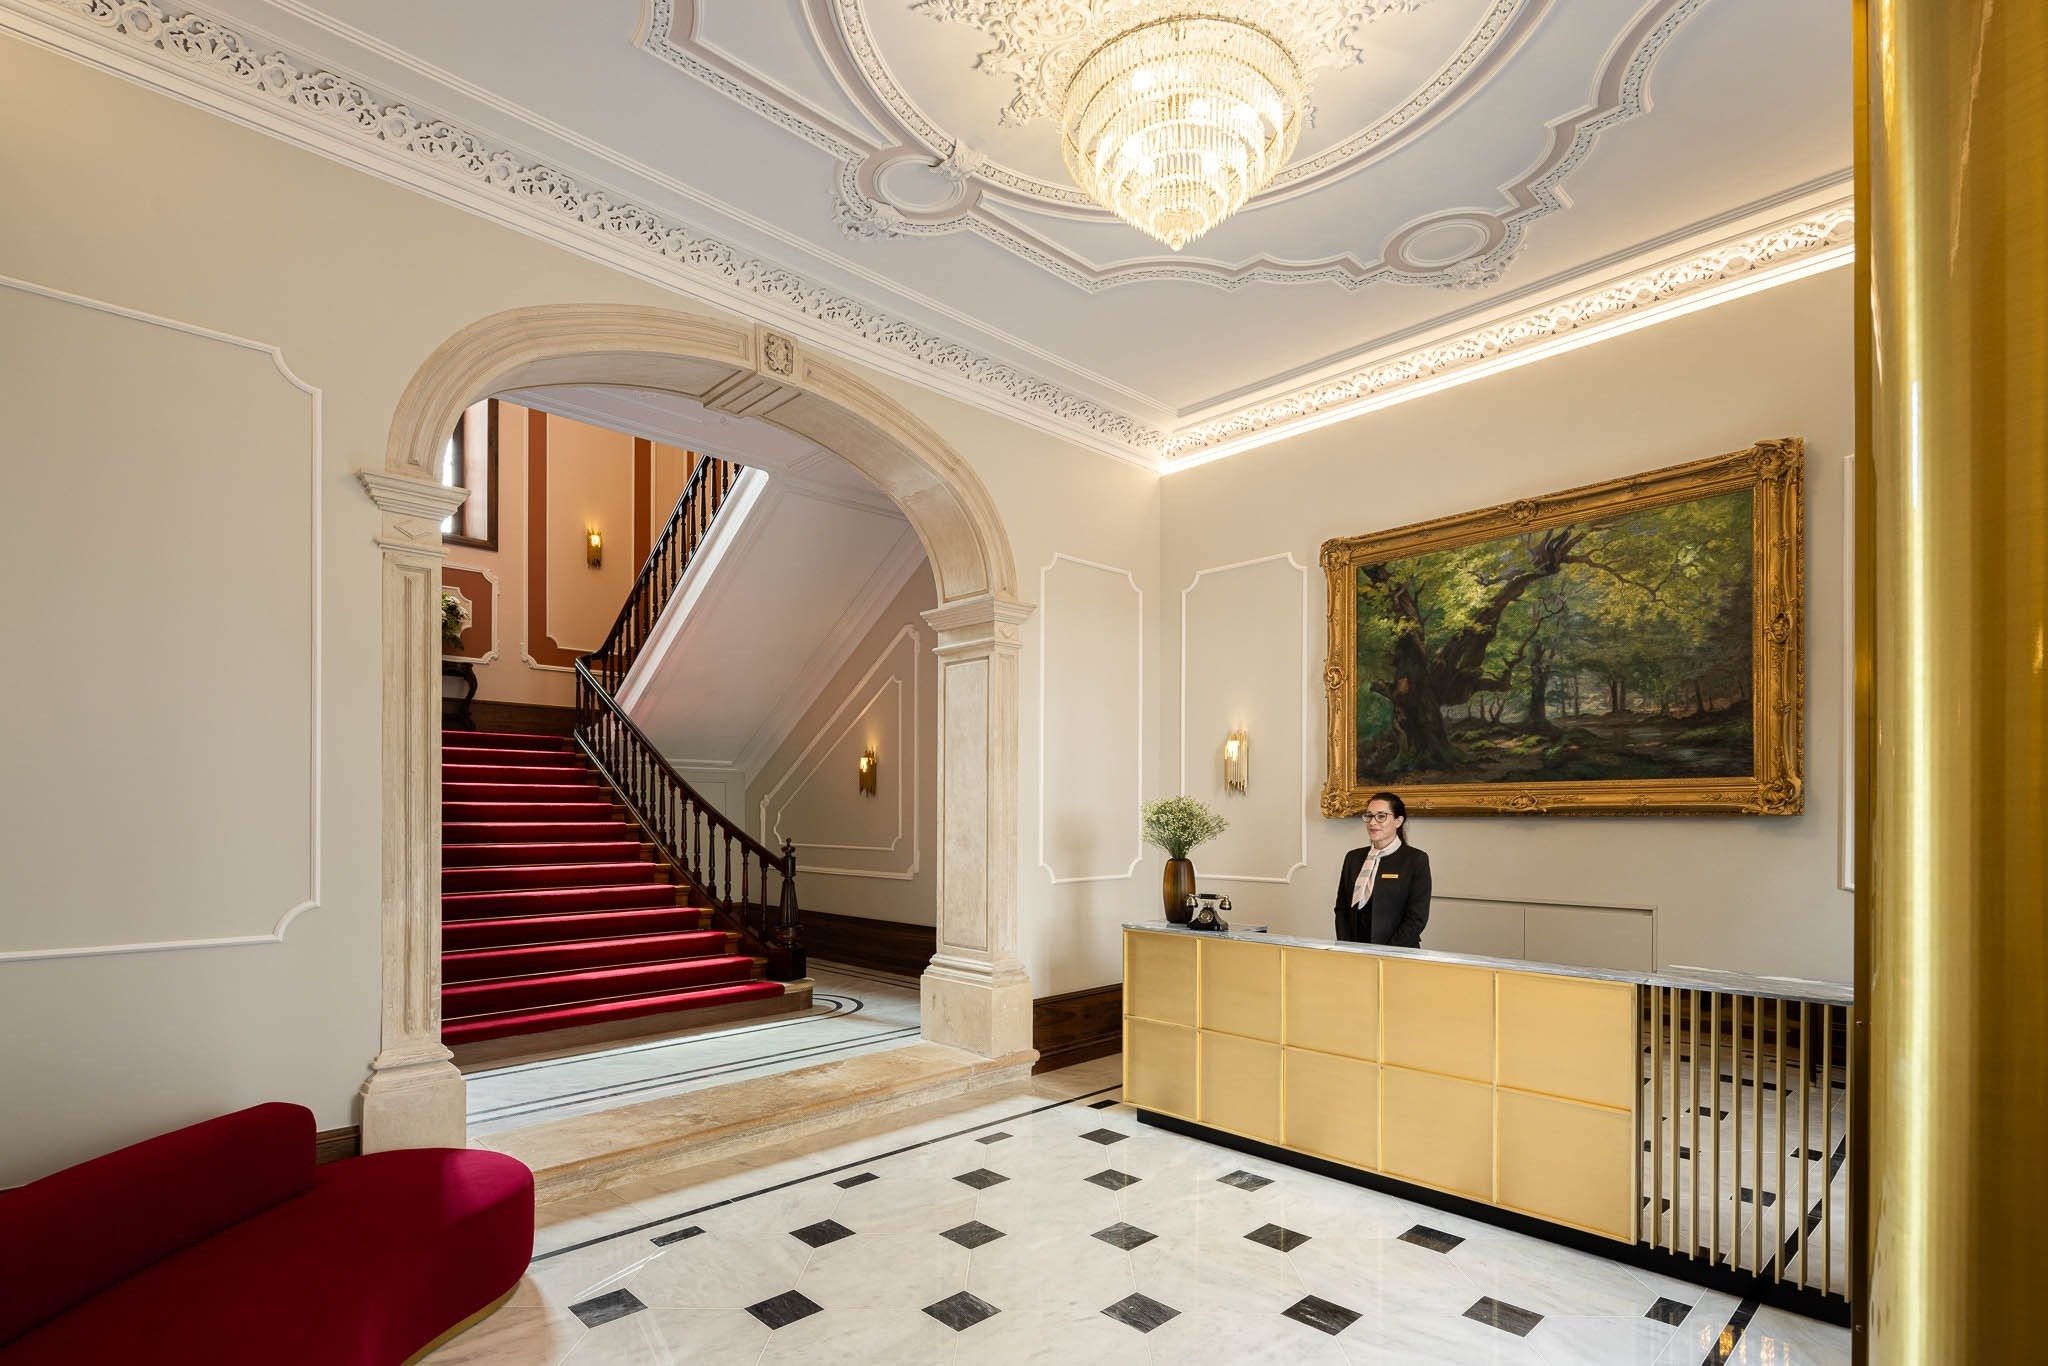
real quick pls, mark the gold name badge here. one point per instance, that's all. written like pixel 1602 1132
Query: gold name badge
pixel 1385 876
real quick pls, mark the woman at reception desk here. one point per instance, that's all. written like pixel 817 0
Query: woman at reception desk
pixel 1635 1114
pixel 1383 891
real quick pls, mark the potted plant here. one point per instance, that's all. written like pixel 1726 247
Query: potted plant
pixel 454 620
pixel 1177 825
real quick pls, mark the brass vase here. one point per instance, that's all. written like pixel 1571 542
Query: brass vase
pixel 1177 884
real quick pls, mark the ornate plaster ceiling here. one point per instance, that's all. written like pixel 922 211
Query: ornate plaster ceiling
pixel 1490 174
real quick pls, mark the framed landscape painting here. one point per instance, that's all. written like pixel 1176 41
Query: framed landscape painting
pixel 1632 646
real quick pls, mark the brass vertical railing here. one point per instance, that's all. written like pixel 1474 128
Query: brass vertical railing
pixel 750 885
pixel 1744 1128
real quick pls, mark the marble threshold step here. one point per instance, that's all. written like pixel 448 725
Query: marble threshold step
pixel 589 1152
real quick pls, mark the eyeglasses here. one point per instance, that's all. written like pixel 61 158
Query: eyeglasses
pixel 1375 817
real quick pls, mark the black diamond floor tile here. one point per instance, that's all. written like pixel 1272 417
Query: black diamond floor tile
pixel 1102 1104
pixel 1278 1238
pixel 669 1239
pixel 1245 1181
pixel 972 1234
pixel 1113 1180
pixel 1770 1197
pixel 1684 1151
pixel 1436 1240
pixel 850 1182
pixel 605 1308
pixel 1504 1316
pixel 1105 1137
pixel 1141 1312
pixel 960 1311
pixel 823 1232
pixel 981 1178
pixel 1321 1314
pixel 992 1138
pixel 1125 1236
pixel 1668 1311
pixel 780 1311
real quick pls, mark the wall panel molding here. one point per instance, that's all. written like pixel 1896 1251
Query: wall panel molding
pixel 310 900
pixel 1301 759
pixel 1051 621
pixel 909 793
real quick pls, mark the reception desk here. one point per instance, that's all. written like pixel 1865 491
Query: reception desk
pixel 1512 1085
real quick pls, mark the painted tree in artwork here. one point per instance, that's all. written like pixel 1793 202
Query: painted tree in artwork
pixel 1653 603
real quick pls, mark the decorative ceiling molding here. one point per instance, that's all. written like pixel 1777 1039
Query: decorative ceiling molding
pixel 965 192
pixel 217 67
pixel 1816 241
pixel 196 59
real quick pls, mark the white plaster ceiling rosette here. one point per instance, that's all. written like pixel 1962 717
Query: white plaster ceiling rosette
pixel 927 165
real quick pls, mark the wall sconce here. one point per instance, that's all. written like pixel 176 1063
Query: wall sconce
pixel 867 772
pixel 1237 762
pixel 593 547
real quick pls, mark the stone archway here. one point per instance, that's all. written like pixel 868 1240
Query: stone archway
pixel 975 993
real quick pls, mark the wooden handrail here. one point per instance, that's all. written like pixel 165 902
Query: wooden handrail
pixel 722 862
pixel 725 864
pixel 704 493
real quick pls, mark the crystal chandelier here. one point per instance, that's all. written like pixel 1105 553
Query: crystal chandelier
pixel 1172 113
pixel 1174 124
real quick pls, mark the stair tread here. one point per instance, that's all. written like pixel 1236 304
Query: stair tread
pixel 617 896
pixel 677 939
pixel 498 1024
pixel 612 973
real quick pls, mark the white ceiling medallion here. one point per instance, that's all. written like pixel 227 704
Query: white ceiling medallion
pixel 1172 112
pixel 910 177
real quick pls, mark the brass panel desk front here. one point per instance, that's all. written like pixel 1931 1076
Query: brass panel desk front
pixel 1513 1087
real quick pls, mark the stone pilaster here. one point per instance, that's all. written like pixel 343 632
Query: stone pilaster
pixel 975 994
pixel 414 1097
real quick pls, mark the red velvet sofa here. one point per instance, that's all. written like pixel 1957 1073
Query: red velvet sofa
pixel 223 1243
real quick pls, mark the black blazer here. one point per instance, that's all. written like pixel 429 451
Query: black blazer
pixel 1399 907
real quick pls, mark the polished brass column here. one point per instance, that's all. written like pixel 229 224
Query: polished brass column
pixel 1955 910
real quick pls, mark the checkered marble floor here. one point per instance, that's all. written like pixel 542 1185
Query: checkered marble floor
pixel 1043 1223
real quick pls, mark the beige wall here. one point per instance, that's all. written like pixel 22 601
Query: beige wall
pixel 1753 894
pixel 872 856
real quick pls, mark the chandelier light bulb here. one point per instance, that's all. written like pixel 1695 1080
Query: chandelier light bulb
pixel 1172 125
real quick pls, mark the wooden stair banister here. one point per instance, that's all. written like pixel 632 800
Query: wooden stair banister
pixel 724 864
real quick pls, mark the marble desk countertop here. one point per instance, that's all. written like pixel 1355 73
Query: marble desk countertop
pixel 1793 989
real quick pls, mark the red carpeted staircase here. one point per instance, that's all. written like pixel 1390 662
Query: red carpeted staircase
pixel 554 912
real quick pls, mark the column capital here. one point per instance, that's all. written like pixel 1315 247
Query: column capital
pixel 413 508
pixel 981 624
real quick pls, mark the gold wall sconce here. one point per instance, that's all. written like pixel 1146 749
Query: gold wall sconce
pixel 593 547
pixel 867 772
pixel 1237 762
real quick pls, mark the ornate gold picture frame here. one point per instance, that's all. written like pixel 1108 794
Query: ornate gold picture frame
pixel 1635 646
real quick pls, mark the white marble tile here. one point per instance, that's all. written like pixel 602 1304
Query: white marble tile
pixel 1548 1279
pixel 906 1336
pixel 1050 1270
pixel 1570 1340
pixel 710 1272
pixel 1781 1339
pixel 1383 1276
pixel 1210 1335
pixel 1045 1337
pixel 873 1274
pixel 1434 1340
pixel 660 1337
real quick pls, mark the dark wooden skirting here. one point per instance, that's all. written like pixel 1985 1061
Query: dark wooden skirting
pixel 877 945
pixel 523 717
pixel 1077 1026
pixel 332 1145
